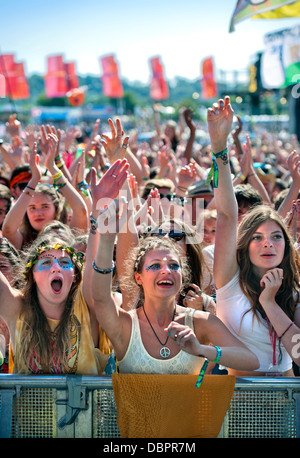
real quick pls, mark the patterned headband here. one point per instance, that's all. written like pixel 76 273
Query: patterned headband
pixel 74 255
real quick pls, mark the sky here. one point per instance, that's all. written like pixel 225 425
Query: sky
pixel 181 32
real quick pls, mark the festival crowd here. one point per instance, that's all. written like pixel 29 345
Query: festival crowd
pixel 165 256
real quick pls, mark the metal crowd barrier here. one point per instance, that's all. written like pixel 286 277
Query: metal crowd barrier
pixel 84 407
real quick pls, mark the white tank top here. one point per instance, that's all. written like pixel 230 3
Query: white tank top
pixel 138 361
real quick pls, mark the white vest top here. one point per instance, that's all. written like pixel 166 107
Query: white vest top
pixel 138 361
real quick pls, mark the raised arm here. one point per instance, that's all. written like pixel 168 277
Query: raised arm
pixel 14 217
pixel 293 162
pixel 219 119
pixel 73 198
pixel 108 314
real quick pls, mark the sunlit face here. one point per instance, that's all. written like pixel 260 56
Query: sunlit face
pixel 54 275
pixel 266 249
pixel 161 274
pixel 40 211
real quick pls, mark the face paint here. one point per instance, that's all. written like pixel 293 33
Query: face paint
pixel 48 261
pixel 156 266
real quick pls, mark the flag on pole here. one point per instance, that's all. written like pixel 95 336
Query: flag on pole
pixel 16 84
pixel 159 89
pixel 208 83
pixel 264 9
pixel 111 82
pixel 71 76
pixel 55 79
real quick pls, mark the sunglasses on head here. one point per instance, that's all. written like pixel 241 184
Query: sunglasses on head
pixel 175 235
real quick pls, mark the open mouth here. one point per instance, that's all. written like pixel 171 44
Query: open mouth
pixel 165 283
pixel 56 285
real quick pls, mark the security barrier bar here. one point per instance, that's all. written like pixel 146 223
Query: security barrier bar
pixel 77 406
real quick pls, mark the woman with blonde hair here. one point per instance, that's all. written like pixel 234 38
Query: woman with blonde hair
pixel 159 336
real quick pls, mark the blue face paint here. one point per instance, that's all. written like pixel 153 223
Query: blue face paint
pixel 156 266
pixel 153 267
pixel 47 262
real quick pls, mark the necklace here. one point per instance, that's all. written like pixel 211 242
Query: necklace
pixel 164 351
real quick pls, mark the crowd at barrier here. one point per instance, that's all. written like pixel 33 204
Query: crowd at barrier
pixel 164 256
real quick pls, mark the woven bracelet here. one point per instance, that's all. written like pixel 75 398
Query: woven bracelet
pixel 214 170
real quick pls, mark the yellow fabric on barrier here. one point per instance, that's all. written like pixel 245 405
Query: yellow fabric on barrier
pixel 166 406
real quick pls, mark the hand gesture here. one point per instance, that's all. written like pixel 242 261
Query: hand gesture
pixel 53 145
pixel 31 135
pixel 115 147
pixel 13 126
pixel 187 175
pixel 188 117
pixel 109 186
pixel 34 161
pixel 246 162
pixel 184 337
pixel 293 162
pixel 271 283
pixel 219 122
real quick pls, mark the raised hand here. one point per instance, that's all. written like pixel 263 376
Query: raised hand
pixel 115 147
pixel 109 186
pixel 13 126
pixel 219 122
pixel 34 161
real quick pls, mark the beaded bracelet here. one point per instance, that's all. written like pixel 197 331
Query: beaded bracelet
pixel 103 271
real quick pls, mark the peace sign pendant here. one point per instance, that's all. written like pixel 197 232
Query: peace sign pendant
pixel 165 352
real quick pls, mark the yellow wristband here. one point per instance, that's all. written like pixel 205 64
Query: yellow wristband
pixel 57 175
pixel 60 164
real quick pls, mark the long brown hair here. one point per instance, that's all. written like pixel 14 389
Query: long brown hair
pixel 36 333
pixel 288 295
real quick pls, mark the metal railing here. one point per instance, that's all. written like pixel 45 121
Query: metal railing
pixel 77 406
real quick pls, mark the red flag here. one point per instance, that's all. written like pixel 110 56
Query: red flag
pixel 15 80
pixel 209 85
pixel 112 85
pixel 22 89
pixel 56 77
pixel 159 89
pixel 72 78
pixel 2 86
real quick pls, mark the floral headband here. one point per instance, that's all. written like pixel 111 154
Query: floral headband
pixel 74 255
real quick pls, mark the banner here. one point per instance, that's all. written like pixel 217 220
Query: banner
pixel 264 9
pixel 16 85
pixel 280 62
pixel 159 89
pixel 55 79
pixel 111 83
pixel 208 83
pixel 71 76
